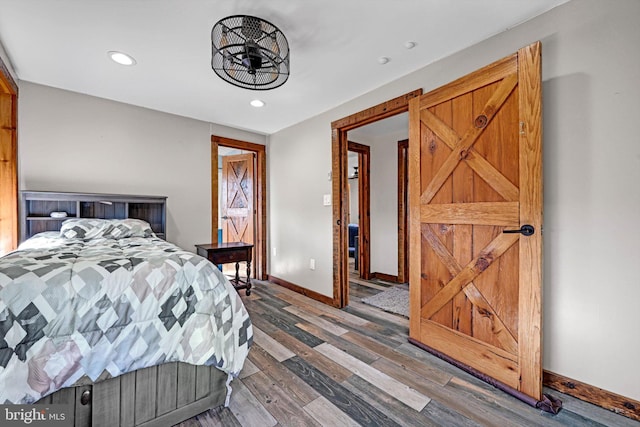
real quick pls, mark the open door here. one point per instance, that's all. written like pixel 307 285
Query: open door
pixel 475 188
pixel 237 198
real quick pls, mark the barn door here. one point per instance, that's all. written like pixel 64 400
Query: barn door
pixel 237 198
pixel 475 182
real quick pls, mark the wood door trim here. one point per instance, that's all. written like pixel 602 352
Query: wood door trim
pixel 364 207
pixel 8 161
pixel 403 247
pixel 260 196
pixel 339 187
pixel 378 112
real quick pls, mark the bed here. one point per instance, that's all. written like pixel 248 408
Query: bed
pixel 125 327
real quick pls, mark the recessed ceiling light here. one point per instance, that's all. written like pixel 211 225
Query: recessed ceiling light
pixel 121 58
pixel 410 45
pixel 383 60
pixel 257 103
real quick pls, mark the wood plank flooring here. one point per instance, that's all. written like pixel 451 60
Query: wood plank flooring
pixel 314 365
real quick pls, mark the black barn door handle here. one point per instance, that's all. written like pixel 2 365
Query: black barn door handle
pixel 525 230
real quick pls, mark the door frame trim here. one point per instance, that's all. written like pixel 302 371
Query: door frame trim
pixel 340 189
pixel 9 189
pixel 403 211
pixel 364 207
pixel 260 197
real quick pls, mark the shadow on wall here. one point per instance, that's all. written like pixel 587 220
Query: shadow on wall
pixel 567 162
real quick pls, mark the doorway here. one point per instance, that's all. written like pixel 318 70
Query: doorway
pixel 340 191
pixel 359 207
pixel 8 161
pixel 245 171
pixel 384 239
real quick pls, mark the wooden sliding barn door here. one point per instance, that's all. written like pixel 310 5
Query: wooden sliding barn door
pixel 475 179
pixel 237 198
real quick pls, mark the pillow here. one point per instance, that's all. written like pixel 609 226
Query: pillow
pixel 91 228
pixel 129 228
pixel 84 228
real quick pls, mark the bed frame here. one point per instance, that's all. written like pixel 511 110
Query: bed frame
pixel 37 206
pixel 161 396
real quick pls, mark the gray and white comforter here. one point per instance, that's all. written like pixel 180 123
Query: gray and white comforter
pixel 76 308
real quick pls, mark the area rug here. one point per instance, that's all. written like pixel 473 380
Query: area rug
pixel 394 300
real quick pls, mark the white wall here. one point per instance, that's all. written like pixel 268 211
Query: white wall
pixel 299 223
pixel 591 172
pixel 73 142
pixel 384 200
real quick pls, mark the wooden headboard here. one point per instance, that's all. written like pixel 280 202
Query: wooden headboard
pixel 37 206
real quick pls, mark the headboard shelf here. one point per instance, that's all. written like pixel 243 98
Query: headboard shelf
pixel 37 207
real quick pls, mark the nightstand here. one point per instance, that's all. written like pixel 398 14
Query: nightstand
pixel 225 253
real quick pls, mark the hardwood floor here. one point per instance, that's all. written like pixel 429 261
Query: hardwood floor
pixel 314 365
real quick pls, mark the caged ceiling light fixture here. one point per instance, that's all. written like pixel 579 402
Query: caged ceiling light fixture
pixel 249 52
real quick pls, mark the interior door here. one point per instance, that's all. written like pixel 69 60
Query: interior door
pixel 237 198
pixel 475 177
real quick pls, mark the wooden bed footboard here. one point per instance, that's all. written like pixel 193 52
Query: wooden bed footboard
pixel 160 396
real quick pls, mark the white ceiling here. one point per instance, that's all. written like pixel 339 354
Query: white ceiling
pixel 335 46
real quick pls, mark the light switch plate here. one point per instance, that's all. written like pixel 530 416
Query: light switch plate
pixel 326 199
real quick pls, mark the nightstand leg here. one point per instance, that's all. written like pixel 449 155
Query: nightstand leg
pixel 248 278
pixel 237 273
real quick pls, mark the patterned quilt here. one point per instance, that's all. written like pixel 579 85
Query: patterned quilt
pixel 73 308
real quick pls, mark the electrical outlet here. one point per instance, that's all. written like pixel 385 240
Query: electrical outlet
pixel 312 264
